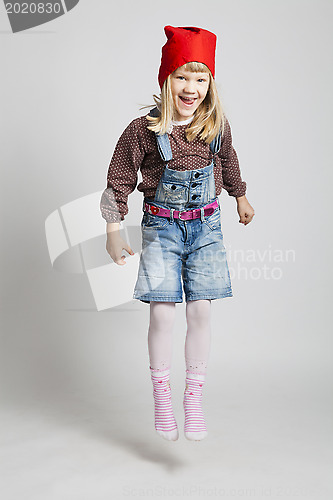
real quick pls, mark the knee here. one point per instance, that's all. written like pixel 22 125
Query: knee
pixel 162 315
pixel 198 311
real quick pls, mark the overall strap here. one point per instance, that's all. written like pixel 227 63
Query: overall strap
pixel 215 145
pixel 164 147
pixel 163 143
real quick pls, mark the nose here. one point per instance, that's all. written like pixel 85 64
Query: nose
pixel 189 87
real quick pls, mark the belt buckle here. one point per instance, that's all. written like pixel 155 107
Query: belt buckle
pixel 188 212
pixel 180 214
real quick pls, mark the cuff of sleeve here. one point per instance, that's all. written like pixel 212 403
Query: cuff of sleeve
pixel 114 218
pixel 241 191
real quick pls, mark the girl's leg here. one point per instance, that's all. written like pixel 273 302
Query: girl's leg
pixel 198 336
pixel 162 316
pixel 197 348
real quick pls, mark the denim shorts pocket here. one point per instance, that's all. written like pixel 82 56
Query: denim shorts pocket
pixel 150 221
pixel 214 221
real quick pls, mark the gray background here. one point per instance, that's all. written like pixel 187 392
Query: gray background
pixel 77 408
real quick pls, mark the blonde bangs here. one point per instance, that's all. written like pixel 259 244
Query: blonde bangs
pixel 208 119
pixel 196 67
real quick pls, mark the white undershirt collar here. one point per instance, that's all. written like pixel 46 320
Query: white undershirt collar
pixel 178 123
pixel 183 122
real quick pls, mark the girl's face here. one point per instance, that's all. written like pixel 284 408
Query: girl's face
pixel 188 90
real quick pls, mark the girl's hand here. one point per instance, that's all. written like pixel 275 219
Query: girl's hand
pixel 115 245
pixel 244 209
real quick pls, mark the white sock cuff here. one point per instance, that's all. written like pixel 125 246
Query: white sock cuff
pixel 159 373
pixel 195 376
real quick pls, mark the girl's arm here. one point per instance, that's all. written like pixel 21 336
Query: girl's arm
pixel 112 226
pixel 244 209
pixel 232 178
pixel 115 244
pixel 122 174
pixel 121 181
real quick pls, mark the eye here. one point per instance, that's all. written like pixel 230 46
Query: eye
pixel 201 80
pixel 179 77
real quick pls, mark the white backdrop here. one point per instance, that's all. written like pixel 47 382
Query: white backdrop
pixel 77 408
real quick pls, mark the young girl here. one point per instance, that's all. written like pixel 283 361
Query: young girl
pixel 184 151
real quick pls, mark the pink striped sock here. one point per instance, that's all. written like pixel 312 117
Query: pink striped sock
pixel 195 427
pixel 165 422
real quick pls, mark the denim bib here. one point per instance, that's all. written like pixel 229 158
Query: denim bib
pixel 184 190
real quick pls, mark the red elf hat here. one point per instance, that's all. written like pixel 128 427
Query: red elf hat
pixel 186 44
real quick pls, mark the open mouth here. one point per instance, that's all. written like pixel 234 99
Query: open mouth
pixel 188 101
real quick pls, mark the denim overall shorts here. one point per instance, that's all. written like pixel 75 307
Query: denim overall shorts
pixel 177 254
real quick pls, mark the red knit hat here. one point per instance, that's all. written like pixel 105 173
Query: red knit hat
pixel 186 44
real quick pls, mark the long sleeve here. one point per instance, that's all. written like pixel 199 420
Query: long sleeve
pixel 122 175
pixel 231 174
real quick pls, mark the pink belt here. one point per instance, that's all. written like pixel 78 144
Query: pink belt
pixel 188 215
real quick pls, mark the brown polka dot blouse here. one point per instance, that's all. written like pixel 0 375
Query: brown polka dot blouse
pixel 137 149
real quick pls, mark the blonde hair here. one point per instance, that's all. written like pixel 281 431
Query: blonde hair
pixel 208 119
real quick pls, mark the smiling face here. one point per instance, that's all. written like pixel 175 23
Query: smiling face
pixel 188 90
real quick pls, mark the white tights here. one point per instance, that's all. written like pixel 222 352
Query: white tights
pixel 198 335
